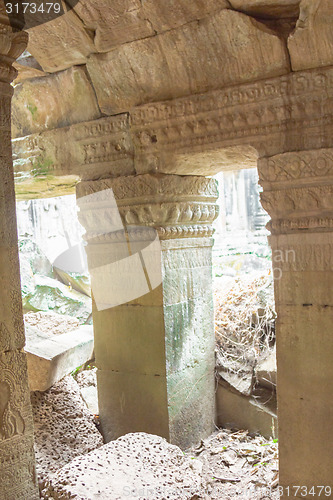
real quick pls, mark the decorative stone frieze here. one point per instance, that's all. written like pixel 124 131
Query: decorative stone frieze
pixel 175 206
pixel 204 133
pixel 94 150
pixel 292 112
pixel 298 190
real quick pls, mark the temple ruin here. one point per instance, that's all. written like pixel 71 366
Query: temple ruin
pixel 148 99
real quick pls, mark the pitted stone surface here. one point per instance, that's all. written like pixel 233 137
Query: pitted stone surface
pixel 64 427
pixel 136 465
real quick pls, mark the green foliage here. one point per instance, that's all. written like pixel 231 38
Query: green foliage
pixel 41 167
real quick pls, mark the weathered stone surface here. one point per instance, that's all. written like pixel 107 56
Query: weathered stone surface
pixel 51 357
pixel 266 371
pixel 310 46
pixel 87 382
pixel 64 427
pixel 60 43
pixel 138 465
pixel 51 295
pixel 267 8
pixel 51 323
pixel 115 22
pixel 234 410
pixel 169 327
pixel 119 22
pixel 27 68
pixel 18 479
pixel 53 101
pixel 187 61
pixel 94 150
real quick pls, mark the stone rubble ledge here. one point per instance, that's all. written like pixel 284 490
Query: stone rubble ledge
pixel 137 465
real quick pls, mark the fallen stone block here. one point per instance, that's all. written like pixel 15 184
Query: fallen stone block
pixel 51 357
pixel 134 466
pixel 64 427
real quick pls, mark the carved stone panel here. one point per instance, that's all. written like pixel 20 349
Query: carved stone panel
pixel 17 471
pixel 298 190
pixel 95 149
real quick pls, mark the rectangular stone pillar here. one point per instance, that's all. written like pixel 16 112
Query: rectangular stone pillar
pixel 298 194
pixel 149 254
pixel 17 462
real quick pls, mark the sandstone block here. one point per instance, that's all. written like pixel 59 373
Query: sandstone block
pixel 118 22
pixel 51 357
pixel 64 427
pixel 266 371
pixel 187 61
pixel 165 16
pixel 267 8
pixel 114 22
pixel 241 412
pixel 135 401
pixel 136 465
pixel 27 68
pixel 310 46
pixel 60 43
pixel 53 101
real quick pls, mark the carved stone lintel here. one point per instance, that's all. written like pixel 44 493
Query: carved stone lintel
pixel 175 206
pixel 291 112
pixel 298 191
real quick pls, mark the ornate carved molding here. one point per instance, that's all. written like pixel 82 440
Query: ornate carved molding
pixel 175 206
pixel 312 166
pixel 94 150
pixel 272 116
pixel 288 113
pixel 298 190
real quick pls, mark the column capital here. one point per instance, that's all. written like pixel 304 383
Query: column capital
pixel 12 43
pixel 176 206
pixel 298 191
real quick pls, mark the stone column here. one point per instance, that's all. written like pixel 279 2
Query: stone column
pixel 17 469
pixel 154 349
pixel 298 194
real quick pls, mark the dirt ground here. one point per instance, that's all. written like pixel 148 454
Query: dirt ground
pixel 238 465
